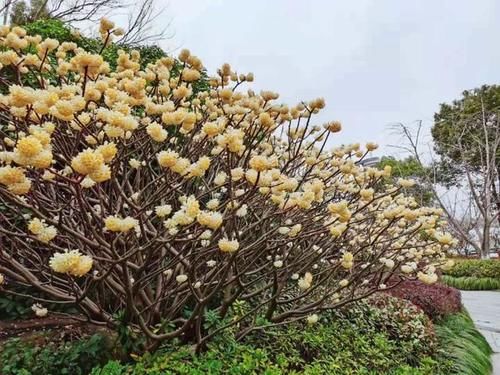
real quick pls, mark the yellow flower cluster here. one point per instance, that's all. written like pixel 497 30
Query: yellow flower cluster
pixel 228 246
pixel 43 232
pixel 34 150
pixel 91 163
pixel 118 224
pixel 347 260
pixel 71 262
pixel 306 281
pixel 15 180
pixel 212 220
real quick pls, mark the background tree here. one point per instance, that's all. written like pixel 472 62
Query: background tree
pixel 409 167
pixel 465 134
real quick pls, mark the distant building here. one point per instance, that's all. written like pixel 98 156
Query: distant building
pixel 370 162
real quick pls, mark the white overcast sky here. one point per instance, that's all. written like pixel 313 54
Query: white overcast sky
pixel 374 62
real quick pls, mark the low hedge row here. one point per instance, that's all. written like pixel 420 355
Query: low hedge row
pixel 471 282
pixel 475 268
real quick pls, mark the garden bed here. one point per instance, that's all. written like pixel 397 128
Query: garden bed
pixel 383 335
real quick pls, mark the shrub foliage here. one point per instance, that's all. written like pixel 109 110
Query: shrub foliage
pixel 154 207
pixel 475 268
pixel 435 300
pixel 18 357
pixel 361 340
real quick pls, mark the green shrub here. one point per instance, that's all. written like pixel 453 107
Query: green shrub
pixel 73 358
pixel 392 338
pixel 51 28
pixel 471 282
pixel 464 346
pixel 476 268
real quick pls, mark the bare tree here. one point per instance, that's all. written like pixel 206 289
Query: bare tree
pixel 472 222
pixel 140 27
pixel 141 15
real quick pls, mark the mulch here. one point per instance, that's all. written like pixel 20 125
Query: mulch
pixel 51 328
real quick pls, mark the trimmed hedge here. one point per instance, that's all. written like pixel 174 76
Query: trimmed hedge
pixel 471 283
pixel 476 268
pixel 435 300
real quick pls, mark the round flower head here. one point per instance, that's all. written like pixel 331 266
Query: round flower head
pixel 228 246
pixel 118 224
pixel 71 262
pixel 312 319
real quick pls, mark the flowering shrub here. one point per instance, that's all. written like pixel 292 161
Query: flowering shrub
pixel 435 300
pixel 127 192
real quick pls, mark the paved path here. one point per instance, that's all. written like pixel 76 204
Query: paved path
pixel 484 308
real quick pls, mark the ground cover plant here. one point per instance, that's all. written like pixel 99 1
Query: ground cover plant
pixel 382 335
pixel 464 346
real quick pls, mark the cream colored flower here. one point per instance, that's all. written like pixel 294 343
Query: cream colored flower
pixel 181 278
pixel 118 224
pixel 39 310
pixel 71 262
pixel 163 210
pixel 312 319
pixel 228 246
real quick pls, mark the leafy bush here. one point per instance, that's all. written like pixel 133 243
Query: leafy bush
pixel 471 282
pixel 51 28
pixel 393 338
pixel 464 346
pixel 481 268
pixel 435 300
pixel 73 358
pixel 156 208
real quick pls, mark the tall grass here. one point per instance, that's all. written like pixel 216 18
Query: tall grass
pixel 464 345
pixel 471 282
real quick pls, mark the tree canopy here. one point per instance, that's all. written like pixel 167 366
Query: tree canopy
pixel 458 127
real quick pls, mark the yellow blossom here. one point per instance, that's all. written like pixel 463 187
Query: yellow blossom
pixel 228 246
pixel 118 224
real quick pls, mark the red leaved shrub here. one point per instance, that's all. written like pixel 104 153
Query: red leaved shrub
pixel 436 300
